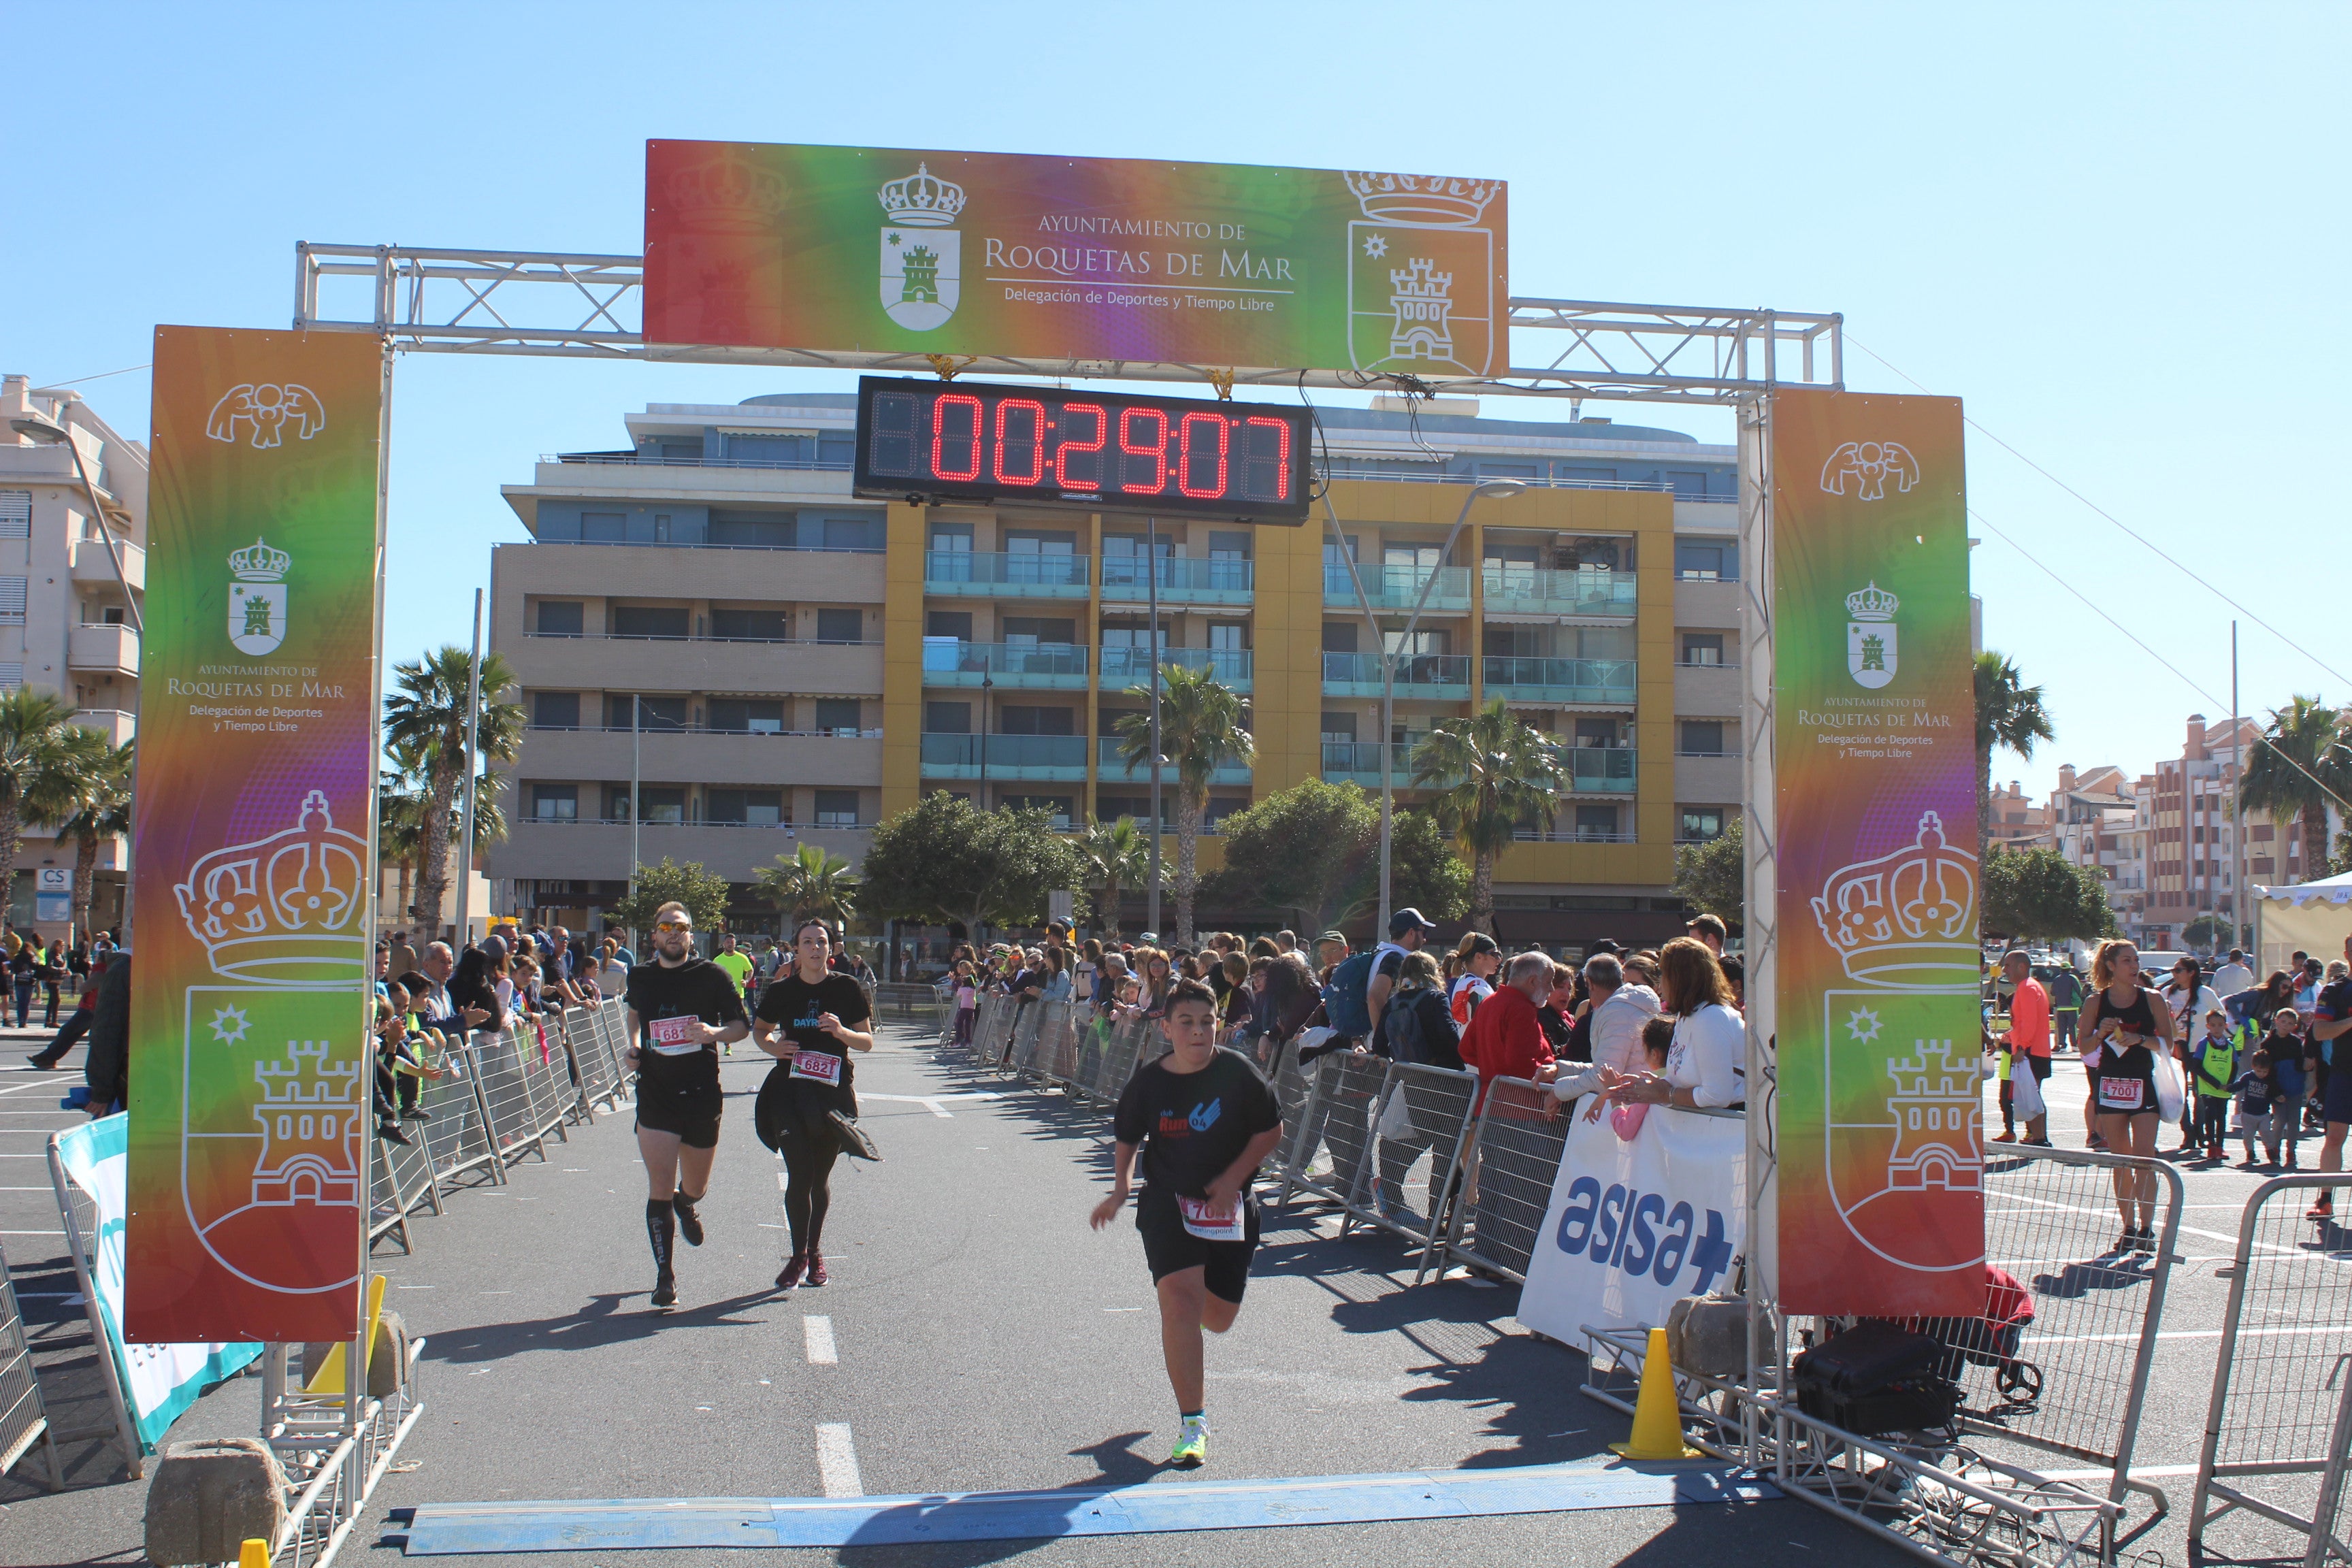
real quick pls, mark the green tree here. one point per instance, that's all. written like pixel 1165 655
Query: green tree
pixel 943 860
pixel 42 752
pixel 426 718
pixel 1489 773
pixel 2039 893
pixel 811 883
pixel 703 892
pixel 1203 725
pixel 400 822
pixel 99 780
pixel 1312 851
pixel 1712 878
pixel 2206 932
pixel 1117 856
pixel 2298 765
pixel 2008 715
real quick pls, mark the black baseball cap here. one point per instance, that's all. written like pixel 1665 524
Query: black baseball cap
pixel 1601 945
pixel 1481 943
pixel 1407 919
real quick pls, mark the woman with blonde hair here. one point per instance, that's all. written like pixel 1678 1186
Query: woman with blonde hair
pixel 2124 1025
pixel 1707 1064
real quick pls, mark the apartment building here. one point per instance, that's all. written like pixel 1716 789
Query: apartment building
pixel 2018 821
pixel 2191 835
pixel 710 612
pixel 64 615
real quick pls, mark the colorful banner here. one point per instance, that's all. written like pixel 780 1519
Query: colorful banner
pixel 865 249
pixel 254 838
pixel 1881 1201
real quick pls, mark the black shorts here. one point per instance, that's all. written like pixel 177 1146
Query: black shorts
pixel 2039 1066
pixel 690 1115
pixel 1170 1248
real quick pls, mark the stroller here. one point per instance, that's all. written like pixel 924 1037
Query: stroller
pixel 1990 1341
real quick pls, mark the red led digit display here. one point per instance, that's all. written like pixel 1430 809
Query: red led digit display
pixel 1144 454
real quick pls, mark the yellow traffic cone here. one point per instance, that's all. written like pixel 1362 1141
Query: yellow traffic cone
pixel 253 1553
pixel 1658 1418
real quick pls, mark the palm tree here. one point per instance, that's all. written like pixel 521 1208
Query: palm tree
pixel 811 884
pixel 426 718
pixel 41 751
pixel 400 822
pixel 2009 714
pixel 2297 765
pixel 1117 856
pixel 1488 773
pixel 1203 725
pixel 100 810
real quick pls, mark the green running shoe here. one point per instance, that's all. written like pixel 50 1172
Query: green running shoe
pixel 1193 1445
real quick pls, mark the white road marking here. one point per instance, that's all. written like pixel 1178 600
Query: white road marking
pixel 836 1462
pixel 31 1233
pixel 818 1332
pixel 780 1182
pixel 2186 1334
pixel 931 1099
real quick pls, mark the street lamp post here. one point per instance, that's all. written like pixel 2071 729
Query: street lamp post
pixel 1496 490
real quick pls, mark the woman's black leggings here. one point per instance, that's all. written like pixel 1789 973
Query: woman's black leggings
pixel 808 1187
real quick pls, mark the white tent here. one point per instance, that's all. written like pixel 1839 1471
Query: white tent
pixel 2315 917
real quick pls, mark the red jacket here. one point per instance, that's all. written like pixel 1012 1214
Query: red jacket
pixel 1505 1039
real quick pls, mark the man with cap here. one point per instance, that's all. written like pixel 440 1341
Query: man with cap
pixel 1407 931
pixel 1708 929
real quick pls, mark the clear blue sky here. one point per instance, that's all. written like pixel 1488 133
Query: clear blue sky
pixel 2117 232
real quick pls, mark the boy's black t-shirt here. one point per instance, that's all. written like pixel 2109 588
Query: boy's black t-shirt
pixel 694 989
pixel 792 1005
pixel 1193 1125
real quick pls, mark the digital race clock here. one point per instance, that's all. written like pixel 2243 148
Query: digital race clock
pixel 1175 457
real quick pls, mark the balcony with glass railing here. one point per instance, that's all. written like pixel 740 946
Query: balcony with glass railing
pixel 984 575
pixel 1440 676
pixel 1110 765
pixel 1607 681
pixel 1182 580
pixel 1057 665
pixel 1398 587
pixel 1061 758
pixel 1586 591
pixel 1358 763
pixel 1126 667
pixel 1599 770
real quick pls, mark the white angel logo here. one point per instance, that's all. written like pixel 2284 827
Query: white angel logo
pixel 1870 464
pixel 266 408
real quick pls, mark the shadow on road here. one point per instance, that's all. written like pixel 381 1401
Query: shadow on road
pixel 603 1321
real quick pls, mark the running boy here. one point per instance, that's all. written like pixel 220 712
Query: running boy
pixel 1203 1118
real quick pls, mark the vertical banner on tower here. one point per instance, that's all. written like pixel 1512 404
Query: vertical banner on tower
pixel 1881 1199
pixel 252 838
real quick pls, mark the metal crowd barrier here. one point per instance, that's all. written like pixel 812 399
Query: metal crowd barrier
pixel 1516 1147
pixel 24 1419
pixel 2281 1401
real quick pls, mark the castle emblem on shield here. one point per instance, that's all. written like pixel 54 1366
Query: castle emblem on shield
pixel 1870 636
pixel 256 598
pixel 922 264
pixel 1420 275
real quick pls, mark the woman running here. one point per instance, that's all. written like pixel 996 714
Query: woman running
pixel 807 1110
pixel 2124 1024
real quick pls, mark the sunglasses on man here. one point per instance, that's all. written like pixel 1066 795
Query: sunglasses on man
pixel 666 927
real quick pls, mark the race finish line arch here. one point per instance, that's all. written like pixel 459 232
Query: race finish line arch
pixel 1861 908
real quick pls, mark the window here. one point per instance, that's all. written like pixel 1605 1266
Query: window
pixel 556 710
pixel 1137 636
pixel 663 802
pixel 745 715
pixel 559 617
pixel 750 625
pixel 1422 644
pixel 12 674
pixel 956 624
pixel 555 803
pixel 836 808
pixel 1338 636
pixel 1596 732
pixel 756 808
pixel 12 601
pixel 1017 720
pixel 604 527
pixel 1583 474
pixel 1515 642
pixel 15 514
pixel 657 713
pixel 853 533
pixel 1701 825
pixel 754 530
pixel 1338 727
pixel 947 718
pixel 1039 541
pixel 1596 822
pixel 1507 470
pixel 1111 808
pixel 1703 648
pixel 649 621
pixel 1220 807
pixel 1231 636
pixel 794 449
pixel 1696 562
pixel 951 536
pixel 840 626
pixel 834 714
pixel 1032 629
pixel 1702 738
pixel 1595 553
pixel 1689 485
pixel 679 451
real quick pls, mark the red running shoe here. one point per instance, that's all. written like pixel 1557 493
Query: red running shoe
pixel 2324 1209
pixel 817 1274
pixel 794 1268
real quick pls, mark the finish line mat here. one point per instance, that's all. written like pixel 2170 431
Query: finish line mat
pixel 452 1528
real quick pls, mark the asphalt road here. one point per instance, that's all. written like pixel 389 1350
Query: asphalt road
pixel 982 1337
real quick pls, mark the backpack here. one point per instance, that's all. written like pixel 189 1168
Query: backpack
pixel 1343 997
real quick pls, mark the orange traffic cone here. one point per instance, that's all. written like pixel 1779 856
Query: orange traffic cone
pixel 1658 1418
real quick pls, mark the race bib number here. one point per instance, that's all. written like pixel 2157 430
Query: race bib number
pixel 1205 1222
pixel 672 1036
pixel 816 1064
pixel 2122 1094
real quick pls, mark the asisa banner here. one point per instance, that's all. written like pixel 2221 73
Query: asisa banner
pixel 868 249
pixel 1881 1158
pixel 1635 1225
pixel 254 834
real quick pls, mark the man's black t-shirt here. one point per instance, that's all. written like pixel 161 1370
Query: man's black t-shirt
pixel 694 989
pixel 1193 1125
pixel 792 1005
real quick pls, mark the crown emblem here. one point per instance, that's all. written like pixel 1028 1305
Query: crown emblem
pixel 258 562
pixel 1432 200
pixel 1871 604
pixel 723 191
pixel 288 909
pixel 923 200
pixel 1908 919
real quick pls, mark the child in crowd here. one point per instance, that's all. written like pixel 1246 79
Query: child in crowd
pixel 398 1069
pixel 2284 1044
pixel 2213 1074
pixel 967 1002
pixel 2257 1109
pixel 1657 1044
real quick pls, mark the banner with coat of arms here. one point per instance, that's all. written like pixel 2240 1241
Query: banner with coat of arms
pixel 253 835
pixel 1880 1194
pixel 867 250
